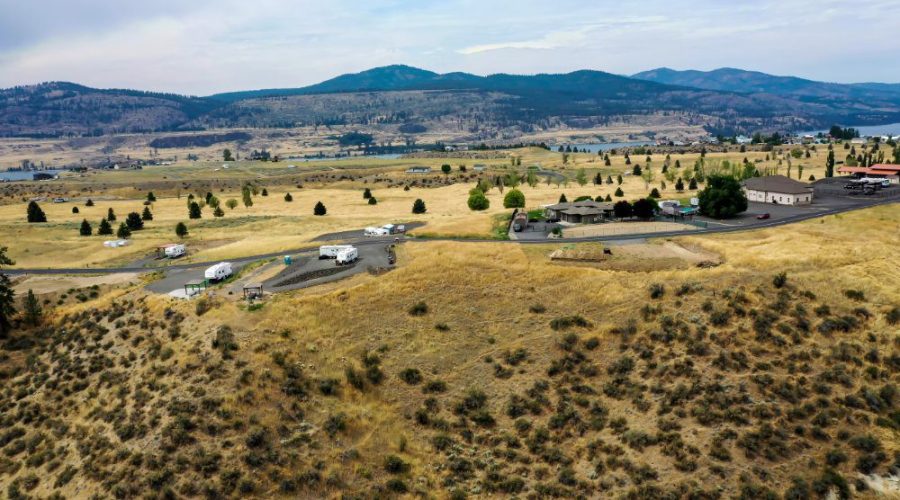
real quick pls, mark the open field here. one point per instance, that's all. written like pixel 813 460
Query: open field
pixel 518 376
pixel 273 225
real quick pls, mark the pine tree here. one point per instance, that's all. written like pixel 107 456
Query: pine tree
pixel 194 211
pixel 829 165
pixel 35 214
pixel 693 184
pixel 86 229
pixel 134 221
pixel 619 180
pixel 265 192
pixel 608 197
pixel 373 201
pixel 419 207
pixel 288 197
pixel 151 197
pixel 218 212
pixel 319 209
pixel 679 185
pixel 123 232
pixel 367 194
pixel 246 196
pixel 181 230
pixel 75 210
pixel 146 214
pixel 89 203
pixel 32 309
pixel 619 192
pixel 105 228
pixel 563 199
pixel 110 215
pixel 654 193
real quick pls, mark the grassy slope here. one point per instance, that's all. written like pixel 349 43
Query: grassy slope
pixel 161 409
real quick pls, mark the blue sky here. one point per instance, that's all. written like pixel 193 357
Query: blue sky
pixel 205 46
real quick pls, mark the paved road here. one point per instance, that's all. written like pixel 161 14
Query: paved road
pixel 745 223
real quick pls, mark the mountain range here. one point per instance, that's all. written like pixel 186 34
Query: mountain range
pixel 485 107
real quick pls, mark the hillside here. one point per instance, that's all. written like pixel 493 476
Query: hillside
pixel 499 106
pixel 489 372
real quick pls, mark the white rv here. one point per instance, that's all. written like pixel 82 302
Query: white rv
pixel 331 251
pixel 175 251
pixel 376 231
pixel 394 228
pixel 347 256
pixel 218 272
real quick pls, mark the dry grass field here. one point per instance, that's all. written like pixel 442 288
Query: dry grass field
pixel 483 370
pixel 273 225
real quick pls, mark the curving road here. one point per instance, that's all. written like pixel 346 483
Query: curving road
pixel 375 241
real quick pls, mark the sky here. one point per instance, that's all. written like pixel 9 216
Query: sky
pixel 201 47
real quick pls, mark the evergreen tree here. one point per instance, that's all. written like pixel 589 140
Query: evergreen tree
pixel 218 212
pixel 654 193
pixel 419 207
pixel 7 296
pixel 265 192
pixel 636 171
pixel 151 197
pixel 581 177
pixel 562 198
pixel 693 184
pixel 619 179
pixel 134 221
pixel 367 194
pixel 598 179
pixel 35 214
pixel 194 211
pixel 247 196
pixel 123 232
pixel 679 185
pixel 446 169
pixel 32 309
pixel 609 179
pixel 86 229
pixel 622 209
pixel 319 209
pixel 110 215
pixel 75 210
pixel 288 197
pixel 373 201
pixel 619 193
pixel 105 228
pixel 608 197
pixel 829 164
pixel 181 230
pixel 89 203
pixel 146 214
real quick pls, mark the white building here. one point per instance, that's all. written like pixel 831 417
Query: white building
pixel 778 190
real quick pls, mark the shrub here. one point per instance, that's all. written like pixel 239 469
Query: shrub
pixel 893 316
pixel 335 423
pixel 419 309
pixel 373 201
pixel 779 280
pixel 434 387
pixel 411 376
pixel 288 197
pixel 566 322
pixel 537 308
pixel 395 465
pixel 478 201
pixel 722 198
pixel 855 295
pixel 657 290
pixel 514 199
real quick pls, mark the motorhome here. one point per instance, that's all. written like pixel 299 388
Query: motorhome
pixel 218 272
pixel 376 231
pixel 347 256
pixel 332 251
pixel 175 251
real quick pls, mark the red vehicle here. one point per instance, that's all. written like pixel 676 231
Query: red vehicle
pixel 763 216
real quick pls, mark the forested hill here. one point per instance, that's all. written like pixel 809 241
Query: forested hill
pixel 399 94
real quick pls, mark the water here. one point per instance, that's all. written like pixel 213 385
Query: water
pixel 24 176
pixel 891 129
pixel 605 146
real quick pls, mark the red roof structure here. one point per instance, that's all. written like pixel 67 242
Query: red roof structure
pixel 877 169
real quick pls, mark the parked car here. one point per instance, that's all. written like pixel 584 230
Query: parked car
pixel 763 216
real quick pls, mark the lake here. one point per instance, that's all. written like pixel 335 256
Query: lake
pixel 891 129
pixel 24 176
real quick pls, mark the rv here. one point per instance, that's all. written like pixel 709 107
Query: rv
pixel 331 251
pixel 115 243
pixel 175 251
pixel 347 256
pixel 376 231
pixel 218 272
pixel 394 228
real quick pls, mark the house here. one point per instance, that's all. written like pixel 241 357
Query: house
pixel 580 212
pixel 778 189
pixel 418 170
pixel 879 171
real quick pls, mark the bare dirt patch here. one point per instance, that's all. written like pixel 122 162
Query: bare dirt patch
pixel 659 256
pixel 50 284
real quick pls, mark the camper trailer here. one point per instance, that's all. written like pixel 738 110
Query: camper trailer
pixel 218 272
pixel 394 228
pixel 376 231
pixel 331 251
pixel 347 256
pixel 175 251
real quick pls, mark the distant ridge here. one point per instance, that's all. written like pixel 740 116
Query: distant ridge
pixel 726 99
